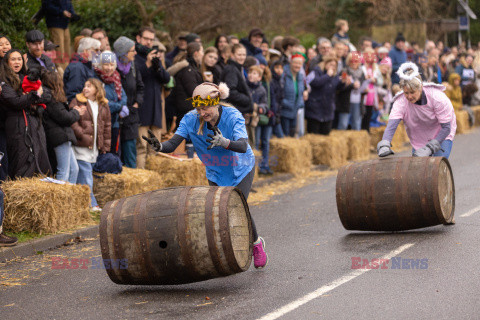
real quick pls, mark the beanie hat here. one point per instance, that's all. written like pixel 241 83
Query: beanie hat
pixel 209 94
pixel 298 55
pixel 191 37
pixel 122 45
pixel 386 61
pixel 399 37
pixel 107 57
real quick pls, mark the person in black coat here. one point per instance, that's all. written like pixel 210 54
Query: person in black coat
pixel 26 143
pixel 234 78
pixel 277 89
pixel 154 77
pixel 134 88
pixel 187 79
pixel 57 120
pixel 35 41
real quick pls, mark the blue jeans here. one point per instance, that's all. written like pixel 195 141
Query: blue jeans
pixel 2 214
pixel 85 177
pixel 278 131
pixel 129 153
pixel 343 119
pixel 264 133
pixel 446 148
pixel 288 126
pixel 355 116
pixel 67 167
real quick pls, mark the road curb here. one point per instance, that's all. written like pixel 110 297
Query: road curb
pixel 33 247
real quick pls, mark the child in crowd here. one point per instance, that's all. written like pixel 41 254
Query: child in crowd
pixel 277 87
pixel 260 110
pixel 93 132
pixel 454 91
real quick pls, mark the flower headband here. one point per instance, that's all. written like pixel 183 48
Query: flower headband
pixel 198 102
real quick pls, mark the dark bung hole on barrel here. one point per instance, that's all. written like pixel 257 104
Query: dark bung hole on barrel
pixel 162 244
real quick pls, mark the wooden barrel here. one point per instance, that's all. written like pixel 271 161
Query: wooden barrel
pixel 395 193
pixel 176 235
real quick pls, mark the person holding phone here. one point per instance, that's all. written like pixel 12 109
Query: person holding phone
pixel 219 136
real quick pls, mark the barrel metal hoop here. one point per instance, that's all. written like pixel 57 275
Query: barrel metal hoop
pixel 225 233
pixel 210 231
pixel 118 248
pixel 185 249
pixel 140 229
pixel 104 239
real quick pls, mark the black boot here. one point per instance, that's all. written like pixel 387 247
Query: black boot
pixel 6 241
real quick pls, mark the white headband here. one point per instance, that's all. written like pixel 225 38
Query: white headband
pixel 409 65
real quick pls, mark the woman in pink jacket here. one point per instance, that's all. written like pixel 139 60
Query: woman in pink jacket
pixel 427 113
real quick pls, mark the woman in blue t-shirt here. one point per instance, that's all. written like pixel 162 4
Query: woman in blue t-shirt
pixel 220 139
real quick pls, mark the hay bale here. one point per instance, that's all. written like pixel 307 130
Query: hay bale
pixel 108 187
pixel 176 172
pixel 399 140
pixel 358 143
pixel 463 125
pixel 328 150
pixel 476 113
pixel 44 207
pixel 291 155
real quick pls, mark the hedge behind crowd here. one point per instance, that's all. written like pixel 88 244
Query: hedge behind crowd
pixel 117 17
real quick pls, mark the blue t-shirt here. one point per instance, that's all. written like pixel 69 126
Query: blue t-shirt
pixel 224 167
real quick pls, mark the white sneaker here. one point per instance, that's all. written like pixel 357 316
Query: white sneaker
pixel 96 209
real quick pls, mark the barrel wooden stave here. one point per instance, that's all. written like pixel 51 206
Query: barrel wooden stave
pixel 174 236
pixel 395 194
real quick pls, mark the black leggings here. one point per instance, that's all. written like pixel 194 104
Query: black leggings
pixel 245 185
pixel 367 117
pixel 314 126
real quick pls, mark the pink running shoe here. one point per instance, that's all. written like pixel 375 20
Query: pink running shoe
pixel 260 257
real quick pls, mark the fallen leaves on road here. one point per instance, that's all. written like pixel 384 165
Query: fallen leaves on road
pixel 204 304
pixel 143 302
pixel 9 305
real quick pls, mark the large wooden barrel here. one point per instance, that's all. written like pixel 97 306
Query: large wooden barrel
pixel 177 235
pixel 395 193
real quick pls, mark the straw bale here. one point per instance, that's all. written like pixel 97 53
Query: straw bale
pixel 331 150
pixel 463 125
pixel 399 140
pixel 44 207
pixel 176 172
pixel 108 187
pixel 291 155
pixel 476 113
pixel 358 143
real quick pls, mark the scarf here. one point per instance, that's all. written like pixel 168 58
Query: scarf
pixel 114 78
pixel 124 68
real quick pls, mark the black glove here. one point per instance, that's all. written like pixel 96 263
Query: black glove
pixel 217 139
pixel 153 141
pixel 156 63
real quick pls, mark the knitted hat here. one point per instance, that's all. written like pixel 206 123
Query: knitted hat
pixel 386 61
pixel 298 55
pixel 399 37
pixel 192 37
pixel 107 57
pixel 209 94
pixel 122 45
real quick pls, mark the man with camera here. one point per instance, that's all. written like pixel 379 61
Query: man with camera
pixel 154 76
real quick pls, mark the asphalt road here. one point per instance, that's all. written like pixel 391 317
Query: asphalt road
pixel 309 275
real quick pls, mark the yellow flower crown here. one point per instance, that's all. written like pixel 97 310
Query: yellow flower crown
pixel 198 102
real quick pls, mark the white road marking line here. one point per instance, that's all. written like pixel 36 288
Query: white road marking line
pixel 329 287
pixel 469 213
